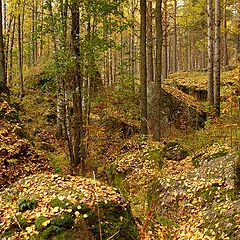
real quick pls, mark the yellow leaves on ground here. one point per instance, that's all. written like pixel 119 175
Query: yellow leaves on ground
pixel 47 188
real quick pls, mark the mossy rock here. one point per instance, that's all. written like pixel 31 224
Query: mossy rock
pixel 74 208
pixel 174 151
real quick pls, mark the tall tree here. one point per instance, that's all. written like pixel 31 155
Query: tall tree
pixel 210 53
pixel 217 58
pixel 175 36
pixel 165 40
pixel 225 45
pixel 158 71
pixel 143 66
pixel 150 69
pixel 3 78
pixel 77 89
pixel 20 59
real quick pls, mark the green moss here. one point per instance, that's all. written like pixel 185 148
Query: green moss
pixel 209 192
pixel 196 162
pixel 22 221
pixel 12 116
pixel 66 234
pixel 155 154
pixel 56 226
pixel 56 202
pixel 39 221
pixel 116 178
pixel 217 155
pixel 164 221
pixel 65 220
pixel 26 204
pixel 174 151
pixel 118 221
pixel 49 231
pixel 8 233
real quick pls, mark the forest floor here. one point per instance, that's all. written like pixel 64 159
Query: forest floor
pixel 184 187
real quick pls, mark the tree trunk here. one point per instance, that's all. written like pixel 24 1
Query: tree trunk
pixel 217 58
pixel 20 67
pixel 133 47
pixel 225 47
pixel 143 67
pixel 150 44
pixel 2 56
pixel 7 42
pixel 175 36
pixel 210 53
pixel 165 45
pixel 77 84
pixel 158 72
pixel 10 58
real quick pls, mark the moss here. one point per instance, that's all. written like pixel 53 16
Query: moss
pixel 217 155
pixel 65 220
pixel 56 226
pixel 206 193
pixel 155 154
pixel 196 162
pixel 8 233
pixel 22 221
pixel 116 178
pixel 174 151
pixel 56 202
pixel 12 116
pixel 49 232
pixel 116 220
pixel 39 221
pixel 26 204
pixel 164 221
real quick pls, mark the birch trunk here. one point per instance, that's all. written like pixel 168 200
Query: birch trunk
pixel 210 53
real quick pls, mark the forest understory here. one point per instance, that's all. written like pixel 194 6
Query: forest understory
pixel 184 187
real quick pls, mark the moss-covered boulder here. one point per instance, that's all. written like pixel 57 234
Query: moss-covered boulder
pixel 174 151
pixel 208 154
pixel 57 207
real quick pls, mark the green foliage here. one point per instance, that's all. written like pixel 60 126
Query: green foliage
pixel 22 221
pixel 39 221
pixel 56 202
pixel 116 220
pixel 65 220
pixel 154 191
pixel 58 161
pixel 49 232
pixel 164 221
pixel 217 155
pixel 155 155
pixel 116 178
pixel 26 204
